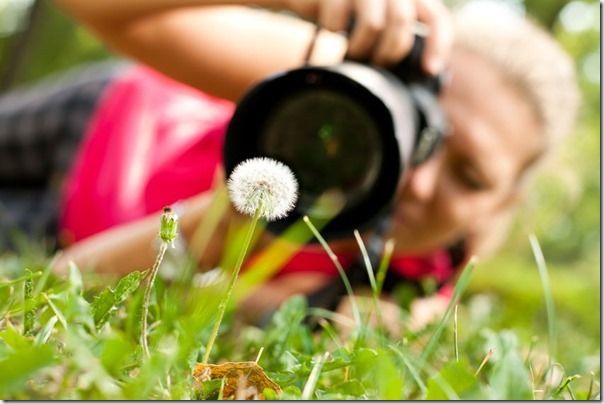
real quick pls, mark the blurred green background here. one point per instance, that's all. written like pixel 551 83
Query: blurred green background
pixel 563 211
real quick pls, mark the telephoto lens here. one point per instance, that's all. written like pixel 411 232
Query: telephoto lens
pixel 348 132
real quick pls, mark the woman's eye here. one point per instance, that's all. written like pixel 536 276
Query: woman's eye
pixel 473 183
pixel 469 179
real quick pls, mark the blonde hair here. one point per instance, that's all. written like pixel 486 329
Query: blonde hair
pixel 535 63
pixel 527 56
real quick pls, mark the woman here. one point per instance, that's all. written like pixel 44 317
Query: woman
pixel 511 92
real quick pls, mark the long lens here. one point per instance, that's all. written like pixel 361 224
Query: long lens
pixel 347 132
pixel 330 142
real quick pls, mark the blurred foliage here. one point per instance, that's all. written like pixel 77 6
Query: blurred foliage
pixel 70 353
pixel 563 211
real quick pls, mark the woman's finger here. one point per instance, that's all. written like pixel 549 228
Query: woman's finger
pixel 397 39
pixel 334 15
pixel 370 20
pixel 440 36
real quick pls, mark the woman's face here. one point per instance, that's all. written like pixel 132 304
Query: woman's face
pixel 494 135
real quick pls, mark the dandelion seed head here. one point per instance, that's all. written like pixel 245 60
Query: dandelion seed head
pixel 265 185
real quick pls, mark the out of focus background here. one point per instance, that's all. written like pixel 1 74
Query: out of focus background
pixel 562 208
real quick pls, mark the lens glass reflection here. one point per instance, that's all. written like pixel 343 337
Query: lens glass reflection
pixel 331 143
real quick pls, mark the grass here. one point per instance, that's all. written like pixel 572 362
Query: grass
pixel 77 338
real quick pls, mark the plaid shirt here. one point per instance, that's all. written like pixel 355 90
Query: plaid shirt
pixel 41 127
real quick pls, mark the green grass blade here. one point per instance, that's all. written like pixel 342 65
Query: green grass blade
pixel 384 264
pixel 311 383
pixel 334 258
pixel 367 261
pixel 460 287
pixel 547 294
pixel 412 370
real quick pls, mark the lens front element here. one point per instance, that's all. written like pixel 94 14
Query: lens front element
pixel 329 141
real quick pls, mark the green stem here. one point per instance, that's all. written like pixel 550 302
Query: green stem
pixel 28 314
pixel 336 262
pixel 147 297
pixel 372 282
pixel 223 303
pixel 385 261
pixel 20 279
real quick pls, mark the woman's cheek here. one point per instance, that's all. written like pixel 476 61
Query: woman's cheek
pixel 460 209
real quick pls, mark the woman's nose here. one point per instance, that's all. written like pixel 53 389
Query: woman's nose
pixel 423 179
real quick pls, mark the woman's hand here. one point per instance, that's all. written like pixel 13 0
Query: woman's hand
pixel 423 311
pixel 384 29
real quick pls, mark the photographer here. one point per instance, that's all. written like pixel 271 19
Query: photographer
pixel 144 141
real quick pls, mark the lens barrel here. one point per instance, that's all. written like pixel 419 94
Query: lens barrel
pixel 348 130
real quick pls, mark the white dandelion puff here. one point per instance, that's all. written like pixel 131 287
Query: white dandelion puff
pixel 209 278
pixel 265 186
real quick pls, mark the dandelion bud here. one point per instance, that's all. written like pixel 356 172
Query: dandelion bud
pixel 169 226
pixel 265 186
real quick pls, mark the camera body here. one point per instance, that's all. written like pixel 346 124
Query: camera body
pixel 350 131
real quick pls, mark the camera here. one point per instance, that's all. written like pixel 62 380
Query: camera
pixel 350 130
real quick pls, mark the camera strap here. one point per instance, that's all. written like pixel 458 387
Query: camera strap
pixel 311 46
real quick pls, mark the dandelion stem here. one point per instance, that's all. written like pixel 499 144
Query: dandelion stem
pixel 223 303
pixel 147 297
pixel 167 233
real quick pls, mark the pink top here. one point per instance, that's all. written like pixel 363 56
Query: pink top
pixel 153 141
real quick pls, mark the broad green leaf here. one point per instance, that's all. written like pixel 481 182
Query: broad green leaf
pixel 91 372
pixel 102 305
pixel 457 376
pixel 285 325
pixel 209 390
pixel 75 309
pixel 390 381
pixel 352 387
pixel 363 361
pixel 153 371
pixel 21 365
pixel 509 379
pixel 116 353
pixel 127 285
pixel 75 279
pixel 290 393
pixel 269 394
pixel 106 302
pixel 44 334
pixel 13 339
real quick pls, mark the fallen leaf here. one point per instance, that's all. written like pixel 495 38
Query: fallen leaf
pixel 239 377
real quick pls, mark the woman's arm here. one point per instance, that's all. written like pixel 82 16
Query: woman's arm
pixel 224 49
pixel 220 50
pixel 133 246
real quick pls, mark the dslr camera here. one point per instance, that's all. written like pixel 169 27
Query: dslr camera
pixel 351 130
